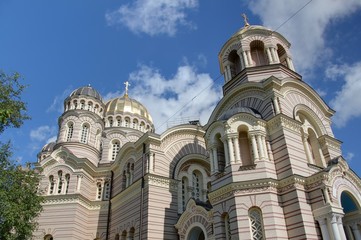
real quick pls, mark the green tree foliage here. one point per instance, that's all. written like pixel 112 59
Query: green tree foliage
pixel 20 204
pixel 11 107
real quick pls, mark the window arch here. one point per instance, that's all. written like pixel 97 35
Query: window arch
pixel 184 192
pixel 314 147
pixel 115 149
pixel 124 235
pixel 221 161
pixel 106 194
pixel 84 133
pixel 60 181
pixel 256 223
pixel 70 131
pixel 197 185
pixel 244 147
pixel 135 124
pixel 99 191
pixel 117 236
pixel 82 104
pixel 127 120
pixel 129 174
pixel 282 55
pixel 110 120
pixel 235 63
pixel 90 106
pixel 51 184
pixel 67 181
pixel 119 121
pixel 227 226
pixel 75 103
pixel 257 53
pixel 131 234
pixel 48 237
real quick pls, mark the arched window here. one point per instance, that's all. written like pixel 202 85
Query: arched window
pixel 314 147
pixel 282 55
pixel 235 63
pixel 130 174
pixel 257 53
pixel 256 222
pixel 127 122
pixel 82 104
pixel 197 185
pixel 69 134
pixel 110 119
pixel 220 153
pixel 115 149
pixel 227 226
pixel 101 151
pixel 124 180
pixel 51 184
pixel 245 148
pixel 124 235
pixel 75 104
pixel 90 106
pixel 96 107
pixel 67 181
pixel 135 124
pixel 131 233
pixel 184 192
pixel 142 126
pixel 99 191
pixel 106 191
pixel 60 181
pixel 84 133
pixel 116 236
pixel 48 237
pixel 119 122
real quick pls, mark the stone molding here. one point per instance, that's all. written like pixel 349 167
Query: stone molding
pixel 163 182
pixel 74 199
pixel 281 121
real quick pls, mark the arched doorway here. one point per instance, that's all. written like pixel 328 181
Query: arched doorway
pixel 351 218
pixel 196 234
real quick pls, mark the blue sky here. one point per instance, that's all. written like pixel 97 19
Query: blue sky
pixel 168 49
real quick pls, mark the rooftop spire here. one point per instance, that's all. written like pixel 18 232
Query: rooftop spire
pixel 245 19
pixel 127 84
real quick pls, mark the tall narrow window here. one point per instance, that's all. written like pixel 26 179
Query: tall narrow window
pixel 115 149
pixel 67 180
pixel 70 131
pixel 82 105
pixel 99 191
pixel 227 227
pixel 84 133
pixel 255 218
pixel 101 151
pixel 196 186
pixel 106 191
pixel 119 122
pixel 90 106
pixel 51 184
pixel 60 181
pixel 110 119
pixel 184 192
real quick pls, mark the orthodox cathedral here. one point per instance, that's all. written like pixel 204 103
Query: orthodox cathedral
pixel 266 165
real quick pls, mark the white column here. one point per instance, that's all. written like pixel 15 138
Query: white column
pixel 127 179
pixel 79 178
pixel 151 162
pixel 275 104
pixel 254 148
pixel 340 228
pixel 307 148
pixel 269 149
pixel 334 226
pixel 292 67
pixel 324 229
pixel 215 159
pixel 356 231
pixel 249 58
pixel 228 73
pixel 226 153
pixel 236 149
pixel 321 155
pixel 245 59
pixel 260 146
pixel 275 55
pixel 269 55
pixel 241 59
pixel 263 139
pixel 211 160
pixel 230 149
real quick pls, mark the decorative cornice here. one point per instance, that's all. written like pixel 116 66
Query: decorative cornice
pixel 281 121
pixel 55 200
pixel 163 182
pixel 330 142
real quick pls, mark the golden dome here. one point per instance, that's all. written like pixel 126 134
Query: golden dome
pixel 126 104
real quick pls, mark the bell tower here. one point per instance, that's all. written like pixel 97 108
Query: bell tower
pixel 253 54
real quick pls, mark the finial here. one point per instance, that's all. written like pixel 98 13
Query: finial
pixel 127 84
pixel 89 85
pixel 245 19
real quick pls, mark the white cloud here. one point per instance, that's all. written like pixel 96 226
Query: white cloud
pixel 58 102
pixel 111 95
pixel 349 156
pixel 347 100
pixel 306 31
pixel 189 92
pixel 153 17
pixel 42 133
pixel 51 139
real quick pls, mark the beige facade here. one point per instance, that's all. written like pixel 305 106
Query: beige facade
pixel 265 166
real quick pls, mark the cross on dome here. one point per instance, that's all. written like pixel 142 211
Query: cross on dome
pixel 127 84
pixel 245 19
